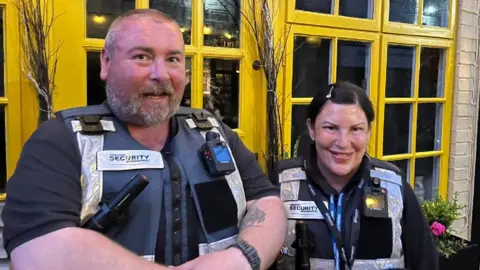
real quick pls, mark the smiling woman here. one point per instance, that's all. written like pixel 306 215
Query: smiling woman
pixel 365 203
pixel 339 124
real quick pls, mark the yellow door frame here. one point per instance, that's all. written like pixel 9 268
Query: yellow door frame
pixel 13 87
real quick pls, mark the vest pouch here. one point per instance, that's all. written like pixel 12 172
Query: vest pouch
pixel 218 207
pixel 375 239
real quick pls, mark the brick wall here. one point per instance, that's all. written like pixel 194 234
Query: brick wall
pixel 462 147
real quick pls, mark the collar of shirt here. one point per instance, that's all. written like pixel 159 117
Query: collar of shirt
pixel 314 173
pixel 173 129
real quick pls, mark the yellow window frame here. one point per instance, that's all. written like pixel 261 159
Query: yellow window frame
pixel 72 78
pixel 12 99
pixel 418 29
pixel 443 153
pixel 334 35
pixel 335 20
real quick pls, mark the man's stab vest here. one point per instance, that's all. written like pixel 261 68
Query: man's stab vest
pixel 111 157
pixel 292 176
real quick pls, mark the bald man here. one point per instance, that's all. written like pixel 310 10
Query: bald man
pixel 187 217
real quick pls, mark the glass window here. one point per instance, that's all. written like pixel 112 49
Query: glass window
pixel 221 89
pixel 2 57
pixel 435 13
pixel 101 14
pixel 353 62
pixel 324 6
pixel 350 8
pixel 429 127
pixel 181 11
pixel 356 8
pixel 187 95
pixel 426 177
pixel 222 23
pixel 397 131
pixel 311 65
pixel 403 11
pixel 3 152
pixel 95 86
pixel 300 140
pixel 403 165
pixel 432 73
pixel 400 71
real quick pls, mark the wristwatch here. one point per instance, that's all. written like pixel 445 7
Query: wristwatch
pixel 249 252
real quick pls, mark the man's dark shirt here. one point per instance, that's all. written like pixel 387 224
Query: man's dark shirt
pixel 44 193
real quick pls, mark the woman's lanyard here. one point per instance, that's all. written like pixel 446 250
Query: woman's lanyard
pixel 336 228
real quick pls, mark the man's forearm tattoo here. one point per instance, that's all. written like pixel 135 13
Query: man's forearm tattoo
pixel 253 218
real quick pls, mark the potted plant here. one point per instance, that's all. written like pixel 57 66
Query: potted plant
pixel 455 252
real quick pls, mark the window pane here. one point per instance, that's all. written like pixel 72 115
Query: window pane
pixel 429 127
pixel 300 138
pixel 181 11
pixel 101 13
pixel 3 152
pixel 187 95
pixel 403 11
pixel 432 72
pixel 95 86
pixel 435 13
pixel 356 8
pixel 403 165
pixel 220 89
pixel 426 177
pixel 353 62
pixel 311 65
pixel 2 56
pixel 400 71
pixel 221 23
pixel 397 131
pixel 323 6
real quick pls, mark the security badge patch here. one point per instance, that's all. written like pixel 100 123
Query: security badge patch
pixel 303 210
pixel 123 160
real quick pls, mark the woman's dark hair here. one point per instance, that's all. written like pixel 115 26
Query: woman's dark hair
pixel 341 93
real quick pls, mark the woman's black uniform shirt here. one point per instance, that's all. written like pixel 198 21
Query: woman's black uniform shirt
pixel 375 236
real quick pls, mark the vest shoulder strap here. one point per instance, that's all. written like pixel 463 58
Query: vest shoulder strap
pixel 187 111
pixel 384 165
pixel 387 171
pixel 96 110
pixel 88 120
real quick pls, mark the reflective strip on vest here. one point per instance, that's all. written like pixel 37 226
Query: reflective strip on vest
pixel 150 258
pixel 289 190
pixel 91 179
pixel 234 181
pixel 320 264
pixel 216 246
pixel 395 209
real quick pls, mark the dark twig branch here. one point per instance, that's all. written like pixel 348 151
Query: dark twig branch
pixel 259 17
pixel 40 65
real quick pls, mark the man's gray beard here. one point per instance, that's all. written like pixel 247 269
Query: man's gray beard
pixel 130 111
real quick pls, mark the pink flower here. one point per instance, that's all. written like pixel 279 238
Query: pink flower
pixel 437 228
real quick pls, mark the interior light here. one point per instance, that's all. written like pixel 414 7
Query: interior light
pixel 99 19
pixel 207 30
pixel 430 10
pixel 227 35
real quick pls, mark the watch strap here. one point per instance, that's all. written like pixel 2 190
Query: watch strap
pixel 249 252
